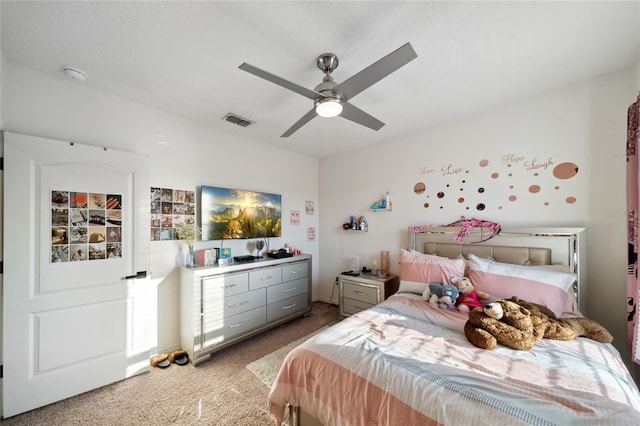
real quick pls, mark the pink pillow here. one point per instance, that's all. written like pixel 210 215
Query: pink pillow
pixel 538 285
pixel 427 268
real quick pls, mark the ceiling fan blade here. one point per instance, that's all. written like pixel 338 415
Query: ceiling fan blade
pixel 376 71
pixel 355 114
pixel 304 120
pixel 279 81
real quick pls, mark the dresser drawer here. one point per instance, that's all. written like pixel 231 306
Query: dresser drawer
pixel 286 290
pixel 351 306
pixel 295 271
pixel 265 277
pixel 288 306
pixel 362 292
pixel 217 329
pixel 225 285
pixel 243 302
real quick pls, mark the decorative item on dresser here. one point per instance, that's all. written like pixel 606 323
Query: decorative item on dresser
pixel 222 305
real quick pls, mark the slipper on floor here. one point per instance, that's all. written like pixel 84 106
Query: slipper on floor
pixel 161 361
pixel 179 357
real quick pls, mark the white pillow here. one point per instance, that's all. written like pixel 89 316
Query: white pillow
pixel 538 285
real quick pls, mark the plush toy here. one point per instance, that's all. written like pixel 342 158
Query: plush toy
pixel 441 295
pixel 469 298
pixel 563 328
pixel 503 322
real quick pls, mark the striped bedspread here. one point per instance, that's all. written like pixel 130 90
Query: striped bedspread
pixel 404 362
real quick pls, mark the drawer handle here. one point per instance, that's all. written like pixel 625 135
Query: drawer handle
pixel 358 307
pixel 294 272
pixel 227 286
pixel 239 324
pixel 239 304
pixel 361 293
pixel 288 307
pixel 289 290
pixel 266 278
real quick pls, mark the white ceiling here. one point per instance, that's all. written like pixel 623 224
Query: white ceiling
pixel 183 57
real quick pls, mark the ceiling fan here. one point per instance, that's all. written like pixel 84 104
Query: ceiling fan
pixel 331 99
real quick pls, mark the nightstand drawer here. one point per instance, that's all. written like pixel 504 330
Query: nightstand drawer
pixel 362 292
pixel 350 306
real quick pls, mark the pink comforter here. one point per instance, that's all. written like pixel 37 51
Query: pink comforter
pixel 404 362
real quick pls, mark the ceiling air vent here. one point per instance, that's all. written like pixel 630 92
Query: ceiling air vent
pixel 236 119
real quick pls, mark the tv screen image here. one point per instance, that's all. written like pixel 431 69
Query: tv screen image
pixel 237 213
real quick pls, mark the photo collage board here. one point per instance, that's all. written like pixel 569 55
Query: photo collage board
pixel 85 226
pixel 171 209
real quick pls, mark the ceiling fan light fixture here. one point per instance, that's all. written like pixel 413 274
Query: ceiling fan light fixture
pixel 328 107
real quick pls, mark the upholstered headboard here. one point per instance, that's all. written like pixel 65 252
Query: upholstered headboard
pixel 519 246
pixel 516 255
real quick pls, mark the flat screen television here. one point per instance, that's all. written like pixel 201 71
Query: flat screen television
pixel 238 213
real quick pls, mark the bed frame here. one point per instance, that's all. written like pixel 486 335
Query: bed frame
pixel 520 246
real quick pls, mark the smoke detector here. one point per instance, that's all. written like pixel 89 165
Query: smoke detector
pixel 236 119
pixel 75 74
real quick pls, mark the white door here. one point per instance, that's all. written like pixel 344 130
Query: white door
pixel 75 231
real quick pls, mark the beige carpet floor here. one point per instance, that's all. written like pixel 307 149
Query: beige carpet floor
pixel 222 391
pixel 266 368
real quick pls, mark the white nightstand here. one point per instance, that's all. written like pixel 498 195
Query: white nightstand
pixel 364 291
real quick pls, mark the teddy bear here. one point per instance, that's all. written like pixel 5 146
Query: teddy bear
pixel 503 322
pixel 441 295
pixel 563 328
pixel 469 298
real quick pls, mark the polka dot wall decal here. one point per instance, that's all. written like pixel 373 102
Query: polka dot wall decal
pixel 440 194
pixel 556 187
pixel 461 200
pixel 480 207
pixel 565 170
pixel 534 189
pixel 419 188
pixel 536 174
pixel 484 163
pixel 510 186
pixel 512 198
pixel 494 175
pixel 546 203
pixel 426 205
pixel 571 200
pixel 510 174
pixel 480 190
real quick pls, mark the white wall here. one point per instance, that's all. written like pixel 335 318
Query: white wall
pixel 584 124
pixel 196 154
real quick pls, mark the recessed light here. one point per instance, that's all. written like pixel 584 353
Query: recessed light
pixel 75 74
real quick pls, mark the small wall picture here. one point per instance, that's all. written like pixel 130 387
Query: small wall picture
pixel 171 209
pixel 295 217
pixel 311 234
pixel 309 208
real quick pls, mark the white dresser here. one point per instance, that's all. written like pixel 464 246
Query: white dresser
pixel 222 305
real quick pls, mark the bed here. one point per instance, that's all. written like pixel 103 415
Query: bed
pixel 405 362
